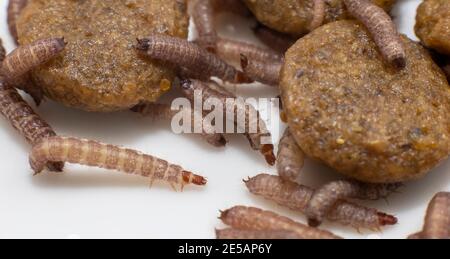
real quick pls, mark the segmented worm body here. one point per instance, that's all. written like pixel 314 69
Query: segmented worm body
pixel 233 234
pixel 21 116
pixel 248 218
pixel 2 51
pixel 275 40
pixel 259 140
pixel 437 219
pixel 204 19
pixel 27 57
pixel 290 158
pixel 319 13
pixel 297 197
pixel 165 112
pixel 446 70
pixel 204 14
pixel 267 72
pixel 25 120
pixel 189 55
pixel 93 153
pixel 325 198
pixel 382 28
pixel 15 7
pixel 231 50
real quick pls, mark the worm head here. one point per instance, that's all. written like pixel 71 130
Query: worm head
pixel 143 44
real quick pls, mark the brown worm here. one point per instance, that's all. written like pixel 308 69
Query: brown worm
pixel 93 153
pixel 26 84
pixel 290 158
pixel 382 28
pixel 15 7
pixel 27 57
pixel 231 50
pixel 325 198
pixel 446 70
pixel 233 234
pixel 275 40
pixel 2 51
pixel 22 117
pixel 189 55
pixel 437 219
pixel 240 110
pixel 319 13
pixel 164 112
pixel 248 218
pixel 267 72
pixel 296 197
pixel 204 18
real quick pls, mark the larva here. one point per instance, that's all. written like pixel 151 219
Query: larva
pixel 190 56
pixel 382 29
pixel 93 153
pixel 267 72
pixel 15 7
pixel 325 198
pixel 240 110
pixel 290 158
pixel 248 218
pixel 27 57
pixel 297 197
pixel 231 50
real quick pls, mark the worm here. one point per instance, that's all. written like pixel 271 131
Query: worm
pixel 382 29
pixel 290 158
pixel 249 218
pixel 164 111
pixel 27 57
pixel 231 50
pixel 22 117
pixel 275 40
pixel 190 56
pixel 203 16
pixel 233 234
pixel 319 13
pixel 267 72
pixel 93 153
pixel 296 197
pixel 26 84
pixel 240 110
pixel 15 7
pixel 325 198
pixel 446 70
pixel 437 219
pixel 2 51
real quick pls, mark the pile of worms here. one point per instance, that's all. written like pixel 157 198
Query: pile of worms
pixel 197 62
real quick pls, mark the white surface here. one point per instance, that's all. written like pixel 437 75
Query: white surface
pixel 90 203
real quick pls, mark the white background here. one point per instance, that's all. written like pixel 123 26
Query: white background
pixel 90 203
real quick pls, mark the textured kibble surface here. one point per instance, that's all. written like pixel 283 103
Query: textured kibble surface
pixel 294 17
pixel 433 24
pixel 100 69
pixel 350 109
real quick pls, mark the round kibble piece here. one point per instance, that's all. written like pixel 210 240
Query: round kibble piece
pixel 353 111
pixel 100 70
pixel 433 25
pixel 294 16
